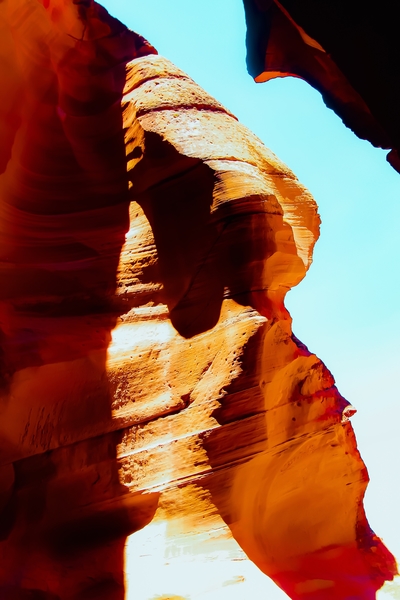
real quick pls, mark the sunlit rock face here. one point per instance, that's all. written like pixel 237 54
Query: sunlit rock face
pixel 152 389
pixel 350 54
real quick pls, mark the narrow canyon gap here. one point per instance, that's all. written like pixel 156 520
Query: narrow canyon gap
pixel 149 373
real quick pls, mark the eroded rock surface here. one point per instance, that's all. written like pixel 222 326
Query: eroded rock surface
pixel 150 377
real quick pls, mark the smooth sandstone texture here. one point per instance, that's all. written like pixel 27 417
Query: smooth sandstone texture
pixel 151 381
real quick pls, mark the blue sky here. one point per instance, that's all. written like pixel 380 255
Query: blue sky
pixel 347 308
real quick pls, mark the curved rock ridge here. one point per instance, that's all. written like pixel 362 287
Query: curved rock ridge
pixel 153 393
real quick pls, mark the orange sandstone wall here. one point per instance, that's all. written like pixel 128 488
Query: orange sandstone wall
pixel 149 373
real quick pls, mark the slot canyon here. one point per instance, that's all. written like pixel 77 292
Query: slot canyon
pixel 157 409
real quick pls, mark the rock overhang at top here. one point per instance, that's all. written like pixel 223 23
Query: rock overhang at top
pixel 346 51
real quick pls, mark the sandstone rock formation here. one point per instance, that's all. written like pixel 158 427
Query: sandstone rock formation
pixel 348 53
pixel 150 375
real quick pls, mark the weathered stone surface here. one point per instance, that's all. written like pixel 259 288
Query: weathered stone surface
pixel 350 54
pixel 151 380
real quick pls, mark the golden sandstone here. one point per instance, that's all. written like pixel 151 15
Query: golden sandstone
pixel 150 377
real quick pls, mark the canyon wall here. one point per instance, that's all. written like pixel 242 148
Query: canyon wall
pixel 348 53
pixel 150 379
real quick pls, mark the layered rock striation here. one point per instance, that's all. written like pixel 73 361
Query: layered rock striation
pixel 150 377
